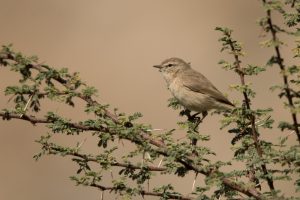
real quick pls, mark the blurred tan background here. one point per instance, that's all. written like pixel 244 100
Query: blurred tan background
pixel 113 44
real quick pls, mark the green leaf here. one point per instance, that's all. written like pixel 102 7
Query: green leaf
pixel 285 125
pixel 89 91
pixel 174 103
pixel 253 70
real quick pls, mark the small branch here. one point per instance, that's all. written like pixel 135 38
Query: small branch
pixel 24 117
pixel 89 158
pixel 171 196
pixel 295 94
pixel 282 67
pixel 45 93
pixel 142 192
pixel 252 117
pixel 35 120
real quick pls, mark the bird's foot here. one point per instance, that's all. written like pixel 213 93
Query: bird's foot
pixel 199 120
pixel 194 118
pixel 186 112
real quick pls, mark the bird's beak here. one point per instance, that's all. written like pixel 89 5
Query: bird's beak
pixel 157 66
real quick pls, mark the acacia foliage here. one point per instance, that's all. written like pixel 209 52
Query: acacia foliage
pixel 265 163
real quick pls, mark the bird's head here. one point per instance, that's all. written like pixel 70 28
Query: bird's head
pixel 171 67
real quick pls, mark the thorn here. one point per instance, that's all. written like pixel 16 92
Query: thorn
pixel 194 182
pixel 291 133
pixel 147 155
pixel 11 98
pixel 260 122
pixel 27 104
pixel 80 145
pixel 160 162
pixel 259 184
pixel 102 195
pixel 155 129
pixel 120 140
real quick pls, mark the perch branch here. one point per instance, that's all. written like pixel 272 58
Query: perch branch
pixel 188 162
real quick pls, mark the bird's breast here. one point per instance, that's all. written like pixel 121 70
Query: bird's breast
pixel 181 93
pixel 191 100
pixel 176 87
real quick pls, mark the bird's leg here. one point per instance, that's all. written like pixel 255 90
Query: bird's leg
pixel 187 113
pixel 195 116
pixel 204 114
pixel 199 120
pixel 195 119
pixel 191 118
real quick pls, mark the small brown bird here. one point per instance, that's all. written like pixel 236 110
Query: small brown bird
pixel 193 90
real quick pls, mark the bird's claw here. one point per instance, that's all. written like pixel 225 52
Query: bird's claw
pixel 194 118
pixel 199 120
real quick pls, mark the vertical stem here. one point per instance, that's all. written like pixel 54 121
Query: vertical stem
pixel 279 61
pixel 252 117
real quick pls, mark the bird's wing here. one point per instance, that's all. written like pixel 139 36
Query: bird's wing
pixel 196 82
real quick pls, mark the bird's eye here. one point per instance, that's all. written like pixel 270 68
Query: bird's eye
pixel 169 65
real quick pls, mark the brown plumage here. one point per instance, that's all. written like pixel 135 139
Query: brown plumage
pixel 193 90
